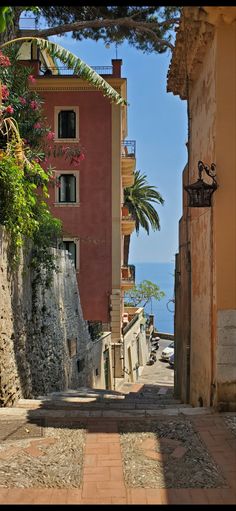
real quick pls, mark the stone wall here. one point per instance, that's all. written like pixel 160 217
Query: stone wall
pixel 226 360
pixel 41 340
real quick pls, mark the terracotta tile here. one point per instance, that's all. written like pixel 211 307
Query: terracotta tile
pixel 90 460
pixel 90 478
pixel 42 495
pixel 117 474
pixel 155 455
pixel 96 450
pixel 95 470
pixel 179 496
pixel 112 456
pixel 213 495
pixel 137 496
pixel 89 489
pixel 33 451
pixel 110 463
pixel 74 496
pixel 179 452
pixel 59 496
pixel 118 500
pixel 112 492
pixel 110 485
pixel 228 496
pixel 153 496
pixel 3 495
pixel 198 496
pixel 98 500
pixel 19 496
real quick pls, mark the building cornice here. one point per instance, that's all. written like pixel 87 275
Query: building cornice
pixel 71 83
pixel 195 32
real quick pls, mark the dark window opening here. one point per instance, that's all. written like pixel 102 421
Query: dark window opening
pixel 67 188
pixel 66 124
pixel 80 365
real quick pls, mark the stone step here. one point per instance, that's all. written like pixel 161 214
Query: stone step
pixel 70 404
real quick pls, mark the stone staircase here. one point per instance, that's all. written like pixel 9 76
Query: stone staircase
pixel 136 400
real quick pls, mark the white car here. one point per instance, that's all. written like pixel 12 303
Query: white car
pixel 168 351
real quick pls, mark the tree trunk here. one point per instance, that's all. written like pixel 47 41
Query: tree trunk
pixel 12 30
pixel 126 250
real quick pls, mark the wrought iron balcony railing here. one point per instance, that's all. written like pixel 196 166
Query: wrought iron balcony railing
pixel 128 148
pixel 64 71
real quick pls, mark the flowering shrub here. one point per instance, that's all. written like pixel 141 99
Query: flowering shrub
pixel 26 107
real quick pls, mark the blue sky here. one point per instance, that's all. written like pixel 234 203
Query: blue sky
pixel 157 120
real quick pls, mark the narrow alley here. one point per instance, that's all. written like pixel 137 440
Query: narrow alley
pixel 136 446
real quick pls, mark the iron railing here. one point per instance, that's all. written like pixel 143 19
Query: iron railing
pixel 28 23
pixel 64 71
pixel 128 148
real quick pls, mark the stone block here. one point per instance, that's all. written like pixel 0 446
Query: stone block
pixel 226 336
pixel 226 318
pixel 226 355
pixel 226 373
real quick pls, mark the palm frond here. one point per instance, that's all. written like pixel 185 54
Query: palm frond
pixel 75 63
pixel 139 199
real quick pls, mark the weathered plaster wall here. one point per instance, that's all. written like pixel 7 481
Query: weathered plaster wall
pixel 183 304
pixel 226 360
pixel 97 362
pixel 136 347
pixel 202 147
pixel 40 340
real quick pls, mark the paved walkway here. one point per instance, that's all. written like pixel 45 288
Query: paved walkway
pixel 103 478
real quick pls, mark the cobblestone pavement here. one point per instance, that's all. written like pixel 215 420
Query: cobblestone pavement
pixel 103 459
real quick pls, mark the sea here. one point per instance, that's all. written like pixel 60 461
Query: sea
pixel 161 274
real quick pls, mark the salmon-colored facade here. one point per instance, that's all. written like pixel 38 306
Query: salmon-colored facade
pixel 89 220
pixel 89 198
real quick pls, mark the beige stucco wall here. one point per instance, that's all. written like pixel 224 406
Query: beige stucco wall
pixel 97 361
pixel 225 199
pixel 201 147
pixel 135 340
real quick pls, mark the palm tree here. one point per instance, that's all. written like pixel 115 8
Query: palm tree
pixel 138 199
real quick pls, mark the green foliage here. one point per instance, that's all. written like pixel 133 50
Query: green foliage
pixel 23 181
pixel 5 17
pixel 23 210
pixel 151 17
pixel 141 294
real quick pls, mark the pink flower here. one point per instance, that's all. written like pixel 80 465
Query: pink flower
pixel 36 160
pixel 22 100
pixel 51 135
pixel 34 105
pixel 81 156
pixel 5 92
pixel 37 125
pixel 9 109
pixel 31 78
pixel 4 61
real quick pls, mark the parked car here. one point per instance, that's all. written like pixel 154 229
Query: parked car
pixel 171 360
pixel 168 351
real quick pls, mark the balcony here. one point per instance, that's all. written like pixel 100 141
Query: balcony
pixel 128 162
pixel 127 222
pixel 127 277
